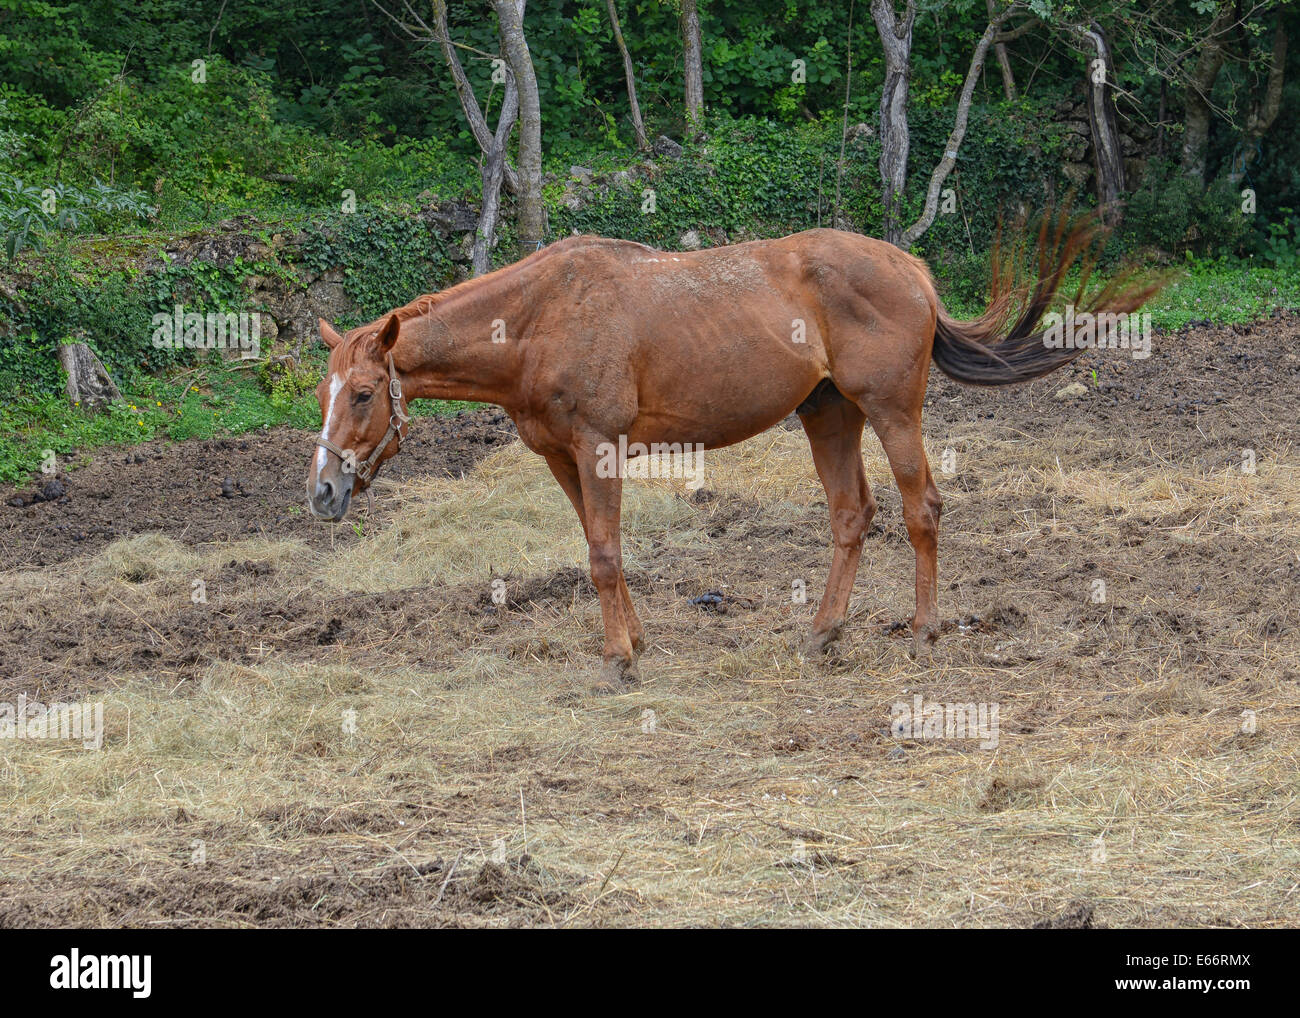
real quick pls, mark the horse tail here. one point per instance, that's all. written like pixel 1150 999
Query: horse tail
pixel 972 352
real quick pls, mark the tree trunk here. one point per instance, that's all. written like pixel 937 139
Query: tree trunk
pixel 88 380
pixel 693 56
pixel 1196 128
pixel 1004 60
pixel 844 127
pixel 949 160
pixel 628 72
pixel 1103 124
pixel 896 39
pixel 493 170
pixel 465 92
pixel 531 218
pixel 1262 116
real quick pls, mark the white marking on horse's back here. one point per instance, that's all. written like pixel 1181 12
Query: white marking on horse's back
pixel 336 386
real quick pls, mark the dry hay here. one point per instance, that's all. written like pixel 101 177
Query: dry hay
pixel 434 758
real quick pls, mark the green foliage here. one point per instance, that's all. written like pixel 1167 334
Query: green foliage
pixel 112 310
pixel 28 213
pixel 196 403
pixel 1009 159
pixel 213 402
pixel 296 102
pixel 963 278
pixel 1225 291
pixel 1170 212
pixel 287 383
pixel 1280 247
pixel 388 257
pixel 753 176
pixel 12 141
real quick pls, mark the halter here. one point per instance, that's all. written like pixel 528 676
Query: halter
pixel 397 421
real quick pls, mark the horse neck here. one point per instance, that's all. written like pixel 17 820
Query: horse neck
pixel 448 351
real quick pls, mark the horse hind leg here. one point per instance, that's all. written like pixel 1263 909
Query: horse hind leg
pixel 834 426
pixel 900 434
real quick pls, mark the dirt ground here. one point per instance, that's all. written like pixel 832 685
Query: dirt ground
pixel 222 489
pixel 334 725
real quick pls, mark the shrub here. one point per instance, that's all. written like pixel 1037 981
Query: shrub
pixel 1170 212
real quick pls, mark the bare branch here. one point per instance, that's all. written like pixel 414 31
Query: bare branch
pixel 628 72
pixel 949 160
pixel 417 28
pixel 1017 32
pixel 493 170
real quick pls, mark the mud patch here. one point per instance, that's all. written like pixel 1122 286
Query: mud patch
pixel 219 490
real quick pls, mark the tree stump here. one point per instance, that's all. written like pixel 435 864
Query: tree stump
pixel 88 381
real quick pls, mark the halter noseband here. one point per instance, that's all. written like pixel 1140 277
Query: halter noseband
pixel 397 422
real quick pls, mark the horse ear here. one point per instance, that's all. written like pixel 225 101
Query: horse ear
pixel 387 335
pixel 328 334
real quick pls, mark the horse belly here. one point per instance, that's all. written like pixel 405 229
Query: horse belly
pixel 727 382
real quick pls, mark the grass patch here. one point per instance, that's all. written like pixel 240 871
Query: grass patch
pixel 1225 293
pixel 1219 293
pixel 202 403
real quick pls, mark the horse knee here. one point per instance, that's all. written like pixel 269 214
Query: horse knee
pixel 849 526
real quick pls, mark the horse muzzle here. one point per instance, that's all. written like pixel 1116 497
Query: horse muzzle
pixel 329 501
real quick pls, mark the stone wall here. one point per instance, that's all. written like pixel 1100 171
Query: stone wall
pixel 293 305
pixel 1137 144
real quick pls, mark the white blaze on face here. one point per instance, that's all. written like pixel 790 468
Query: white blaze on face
pixel 336 386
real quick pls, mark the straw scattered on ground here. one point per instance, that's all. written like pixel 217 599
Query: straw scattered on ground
pixel 364 736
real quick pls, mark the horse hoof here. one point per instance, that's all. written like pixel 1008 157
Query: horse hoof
pixel 819 643
pixel 616 677
pixel 923 644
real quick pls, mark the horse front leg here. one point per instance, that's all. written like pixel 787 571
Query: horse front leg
pixel 602 505
pixel 566 472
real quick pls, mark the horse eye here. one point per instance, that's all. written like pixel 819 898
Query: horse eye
pixel 363 397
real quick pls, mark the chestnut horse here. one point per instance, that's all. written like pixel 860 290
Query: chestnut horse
pixel 592 340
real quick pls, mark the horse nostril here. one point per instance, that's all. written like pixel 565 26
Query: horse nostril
pixel 324 492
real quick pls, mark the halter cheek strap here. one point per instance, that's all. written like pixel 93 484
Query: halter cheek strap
pixel 398 422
